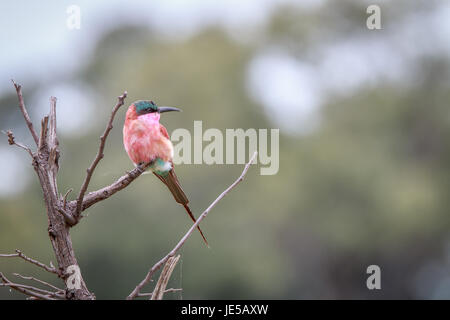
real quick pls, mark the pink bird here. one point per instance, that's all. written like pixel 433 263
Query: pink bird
pixel 146 140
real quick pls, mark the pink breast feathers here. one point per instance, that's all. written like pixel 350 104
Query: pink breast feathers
pixel 143 140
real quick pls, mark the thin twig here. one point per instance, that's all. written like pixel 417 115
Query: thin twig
pixel 12 141
pixel 40 281
pixel 35 262
pixel 30 290
pixel 65 198
pixel 27 291
pixel 25 112
pixel 172 253
pixel 99 155
pixel 149 294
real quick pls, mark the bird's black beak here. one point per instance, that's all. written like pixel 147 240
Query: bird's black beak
pixel 167 109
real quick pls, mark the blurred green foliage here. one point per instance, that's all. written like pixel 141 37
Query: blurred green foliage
pixel 369 186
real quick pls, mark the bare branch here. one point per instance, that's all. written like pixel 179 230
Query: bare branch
pixel 35 262
pixel 40 281
pixel 164 278
pixel 172 253
pixel 12 141
pixel 99 156
pixel 25 112
pixel 27 292
pixel 30 290
pixel 106 192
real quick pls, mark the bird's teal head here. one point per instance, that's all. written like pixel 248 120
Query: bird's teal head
pixel 147 106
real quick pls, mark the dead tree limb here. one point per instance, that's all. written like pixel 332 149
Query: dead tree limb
pixel 61 215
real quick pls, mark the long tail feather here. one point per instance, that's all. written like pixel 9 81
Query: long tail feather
pixel 188 210
pixel 171 181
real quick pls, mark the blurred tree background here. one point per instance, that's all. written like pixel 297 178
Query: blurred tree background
pixel 364 161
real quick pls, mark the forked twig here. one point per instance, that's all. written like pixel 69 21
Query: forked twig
pixel 160 287
pixel 35 262
pixel 30 290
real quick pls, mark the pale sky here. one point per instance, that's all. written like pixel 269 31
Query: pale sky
pixel 39 43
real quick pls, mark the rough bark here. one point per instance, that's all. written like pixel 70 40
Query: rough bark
pixel 45 163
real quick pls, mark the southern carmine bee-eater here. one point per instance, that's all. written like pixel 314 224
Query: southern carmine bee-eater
pixel 146 140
